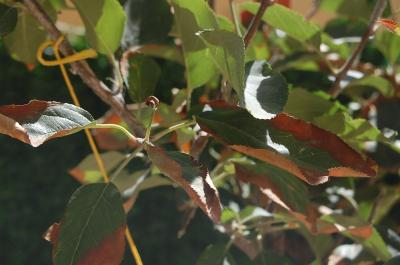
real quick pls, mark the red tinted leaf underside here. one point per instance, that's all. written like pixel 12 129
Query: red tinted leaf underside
pixel 210 203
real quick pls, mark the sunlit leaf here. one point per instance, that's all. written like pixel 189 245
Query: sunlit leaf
pixel 368 84
pixel 266 92
pixel 39 121
pixel 104 23
pixel 295 25
pixel 191 176
pixel 192 16
pixel 388 44
pixel 92 229
pixel 227 50
pixel 306 151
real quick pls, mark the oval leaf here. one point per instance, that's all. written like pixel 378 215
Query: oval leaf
pixel 104 22
pixel 266 92
pixel 306 151
pixel 192 177
pixel 39 121
pixel 149 21
pixel 92 229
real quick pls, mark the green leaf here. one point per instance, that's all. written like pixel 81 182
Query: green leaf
pixel 393 261
pixel 227 50
pixel 167 52
pixel 92 229
pixel 350 8
pixel 191 176
pixel 295 25
pixel 149 22
pixel 306 151
pixel 39 121
pixel 372 241
pixel 279 185
pixel 266 92
pixel 24 41
pixel 191 17
pixel 368 84
pixel 307 106
pixel 8 19
pixel 104 23
pixel 143 74
pixel 214 255
pixel 388 44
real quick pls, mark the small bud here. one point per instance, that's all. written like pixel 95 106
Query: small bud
pixel 153 102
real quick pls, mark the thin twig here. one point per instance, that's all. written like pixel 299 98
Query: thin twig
pixel 376 13
pixel 255 22
pixel 314 9
pixel 82 69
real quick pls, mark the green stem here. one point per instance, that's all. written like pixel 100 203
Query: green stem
pixel 175 127
pixel 114 126
pixel 126 162
pixel 148 129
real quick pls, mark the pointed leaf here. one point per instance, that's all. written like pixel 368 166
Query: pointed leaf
pixel 192 16
pixel 306 151
pixel 266 92
pixel 227 50
pixel 215 255
pixel 148 22
pixel 92 229
pixel 104 22
pixel 8 19
pixel 369 84
pixel 295 25
pixel 192 177
pixel 388 44
pixel 39 121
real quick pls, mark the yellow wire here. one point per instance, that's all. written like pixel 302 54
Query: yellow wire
pixel 70 59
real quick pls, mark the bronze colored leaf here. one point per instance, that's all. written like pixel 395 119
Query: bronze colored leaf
pixel 192 177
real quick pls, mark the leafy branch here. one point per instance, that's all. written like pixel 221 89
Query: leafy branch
pixel 376 13
pixel 82 69
pixel 255 22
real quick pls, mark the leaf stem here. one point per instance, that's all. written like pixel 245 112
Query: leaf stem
pixel 376 13
pixel 115 126
pixel 175 127
pixel 255 22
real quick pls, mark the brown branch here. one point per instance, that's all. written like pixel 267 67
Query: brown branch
pixel 314 9
pixel 376 13
pixel 82 69
pixel 255 22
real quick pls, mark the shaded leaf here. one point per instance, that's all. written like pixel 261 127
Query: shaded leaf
pixel 141 75
pixel 24 41
pixel 39 121
pixel 295 25
pixel 215 255
pixel 8 19
pixel 227 50
pixel 148 22
pixel 191 17
pixel 269 257
pixel 92 229
pixel 266 92
pixel 104 23
pixel 163 51
pixel 304 150
pixel 192 177
pixel 279 185
pixel 393 261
